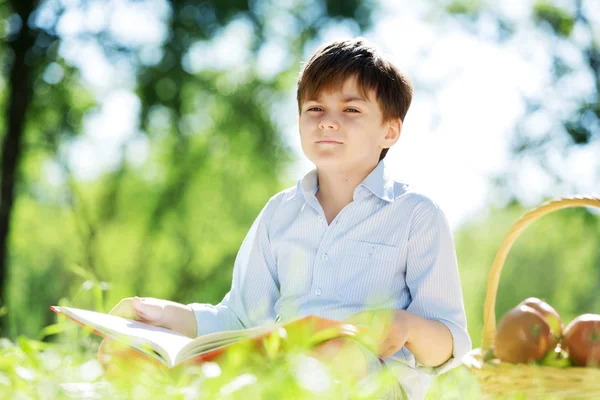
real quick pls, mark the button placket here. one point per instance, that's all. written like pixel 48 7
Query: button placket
pixel 325 242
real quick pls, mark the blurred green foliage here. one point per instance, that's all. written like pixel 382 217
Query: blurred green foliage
pixel 68 370
pixel 556 259
pixel 464 7
pixel 561 21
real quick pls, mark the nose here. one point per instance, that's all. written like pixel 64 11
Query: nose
pixel 328 124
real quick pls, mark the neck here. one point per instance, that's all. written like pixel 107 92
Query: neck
pixel 336 187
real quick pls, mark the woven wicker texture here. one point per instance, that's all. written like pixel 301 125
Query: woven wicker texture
pixel 500 379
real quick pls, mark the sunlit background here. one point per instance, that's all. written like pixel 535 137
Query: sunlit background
pixel 142 137
pixel 470 89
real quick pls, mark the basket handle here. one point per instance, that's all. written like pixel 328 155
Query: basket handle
pixel 489 308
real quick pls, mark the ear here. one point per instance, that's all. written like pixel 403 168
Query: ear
pixel 394 127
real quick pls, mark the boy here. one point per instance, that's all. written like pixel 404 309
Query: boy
pixel 347 242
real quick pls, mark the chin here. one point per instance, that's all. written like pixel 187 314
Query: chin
pixel 331 160
pixel 328 163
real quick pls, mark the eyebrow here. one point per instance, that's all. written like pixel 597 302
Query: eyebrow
pixel 353 98
pixel 348 99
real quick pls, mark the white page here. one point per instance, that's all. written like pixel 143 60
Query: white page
pixel 218 340
pixel 168 341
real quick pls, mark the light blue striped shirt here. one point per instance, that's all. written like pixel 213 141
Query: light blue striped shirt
pixel 390 248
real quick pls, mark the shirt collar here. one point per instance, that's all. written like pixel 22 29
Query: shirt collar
pixel 377 182
pixel 309 183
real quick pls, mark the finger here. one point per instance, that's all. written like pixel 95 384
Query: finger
pixel 124 309
pixel 382 347
pixel 393 349
pixel 387 347
pixel 387 352
pixel 149 310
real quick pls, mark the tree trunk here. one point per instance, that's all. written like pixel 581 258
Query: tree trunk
pixel 20 92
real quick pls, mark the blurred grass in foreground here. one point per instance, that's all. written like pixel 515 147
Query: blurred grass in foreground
pixel 68 369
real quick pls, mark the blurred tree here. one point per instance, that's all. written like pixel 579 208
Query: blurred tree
pixel 44 103
pixel 560 124
pixel 26 56
pixel 171 224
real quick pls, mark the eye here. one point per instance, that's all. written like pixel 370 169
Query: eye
pixel 352 110
pixel 317 109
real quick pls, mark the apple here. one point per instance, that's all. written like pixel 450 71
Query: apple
pixel 550 314
pixel 523 336
pixel 582 340
pixel 558 358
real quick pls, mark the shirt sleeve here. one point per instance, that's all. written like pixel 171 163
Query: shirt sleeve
pixel 434 282
pixel 254 289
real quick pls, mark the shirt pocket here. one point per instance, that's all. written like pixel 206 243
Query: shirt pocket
pixel 367 274
pixel 382 252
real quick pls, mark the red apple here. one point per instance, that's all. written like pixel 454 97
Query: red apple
pixel 523 336
pixel 582 340
pixel 550 314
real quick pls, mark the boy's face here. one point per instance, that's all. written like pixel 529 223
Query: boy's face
pixel 343 130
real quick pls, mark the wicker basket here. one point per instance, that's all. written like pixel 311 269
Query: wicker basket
pixel 502 379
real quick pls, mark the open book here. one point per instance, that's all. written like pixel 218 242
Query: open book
pixel 171 348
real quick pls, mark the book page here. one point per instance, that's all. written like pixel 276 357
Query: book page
pixel 216 340
pixel 172 348
pixel 318 329
pixel 134 333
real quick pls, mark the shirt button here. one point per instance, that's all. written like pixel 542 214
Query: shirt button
pixel 320 218
pixel 318 292
pixel 325 257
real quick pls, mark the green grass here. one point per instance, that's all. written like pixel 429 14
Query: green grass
pixel 68 369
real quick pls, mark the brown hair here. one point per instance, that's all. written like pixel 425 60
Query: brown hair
pixel 334 63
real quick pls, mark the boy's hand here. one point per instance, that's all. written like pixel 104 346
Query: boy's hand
pixel 164 313
pixel 388 329
pixel 145 309
pixel 148 310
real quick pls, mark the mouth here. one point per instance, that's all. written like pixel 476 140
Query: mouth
pixel 328 141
